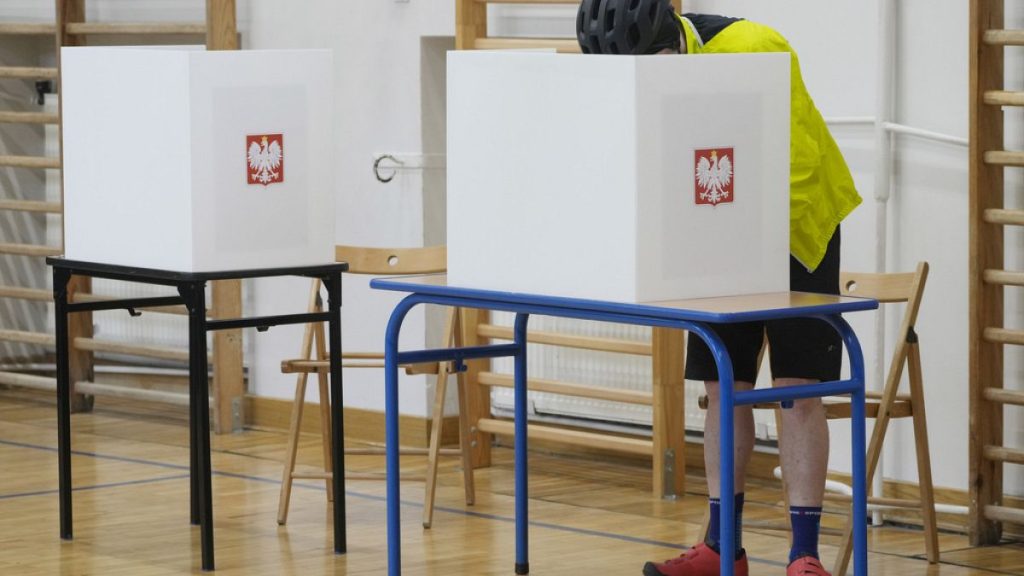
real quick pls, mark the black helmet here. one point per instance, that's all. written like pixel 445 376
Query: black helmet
pixel 621 26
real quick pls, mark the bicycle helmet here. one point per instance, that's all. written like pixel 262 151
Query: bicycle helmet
pixel 623 26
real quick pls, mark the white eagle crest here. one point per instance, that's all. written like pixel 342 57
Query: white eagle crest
pixel 264 160
pixel 713 176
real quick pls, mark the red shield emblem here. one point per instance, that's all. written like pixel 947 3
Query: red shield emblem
pixel 713 176
pixel 264 155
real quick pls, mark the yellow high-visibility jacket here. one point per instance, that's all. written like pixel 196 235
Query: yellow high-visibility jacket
pixel 821 189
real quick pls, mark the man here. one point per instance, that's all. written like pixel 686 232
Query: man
pixel 802 351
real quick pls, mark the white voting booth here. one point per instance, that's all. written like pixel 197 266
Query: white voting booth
pixel 189 160
pixel 618 178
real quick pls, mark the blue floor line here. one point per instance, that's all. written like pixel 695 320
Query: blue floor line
pixel 360 495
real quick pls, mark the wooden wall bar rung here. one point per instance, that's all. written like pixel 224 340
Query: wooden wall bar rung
pixel 556 339
pixel 1004 396
pixel 1004 37
pixel 1004 98
pixel 28 72
pixel 1003 216
pixel 117 391
pixel 110 28
pixel 1004 514
pixel 94 345
pixel 565 46
pixel 31 206
pixel 29 250
pixel 573 437
pixel 28 381
pixel 570 389
pixel 27 28
pixel 1001 454
pixel 1004 277
pixel 25 337
pixel 39 162
pixel 26 293
pixel 9 117
pixel 1005 158
pixel 1004 336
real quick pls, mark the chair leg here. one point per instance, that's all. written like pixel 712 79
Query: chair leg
pixel 924 463
pixel 430 488
pixel 325 408
pixel 437 425
pixel 465 449
pixel 291 450
pixel 295 426
pixel 892 385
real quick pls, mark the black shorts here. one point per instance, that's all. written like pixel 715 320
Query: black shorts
pixel 799 347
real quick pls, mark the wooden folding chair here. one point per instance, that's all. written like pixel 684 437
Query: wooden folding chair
pixel 885 405
pixel 378 262
pixel 889 403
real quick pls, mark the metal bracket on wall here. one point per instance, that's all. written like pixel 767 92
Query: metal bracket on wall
pixel 386 165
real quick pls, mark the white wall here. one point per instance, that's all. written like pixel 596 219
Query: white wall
pixel 377 52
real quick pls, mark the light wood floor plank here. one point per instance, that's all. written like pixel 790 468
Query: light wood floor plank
pixel 131 510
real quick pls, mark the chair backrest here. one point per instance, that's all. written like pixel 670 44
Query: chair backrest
pixel 387 261
pixel 892 287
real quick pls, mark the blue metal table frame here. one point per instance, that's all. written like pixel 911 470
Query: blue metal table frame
pixel 191 288
pixel 695 316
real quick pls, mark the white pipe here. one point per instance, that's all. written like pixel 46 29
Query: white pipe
pixel 850 121
pixel 883 186
pixel 926 134
pixel 898 129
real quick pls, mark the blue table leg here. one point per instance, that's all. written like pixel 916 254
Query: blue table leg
pixel 522 488
pixel 726 442
pixel 394 520
pixel 857 432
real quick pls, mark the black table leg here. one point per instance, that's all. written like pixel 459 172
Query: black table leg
pixel 193 449
pixel 60 301
pixel 194 294
pixel 333 284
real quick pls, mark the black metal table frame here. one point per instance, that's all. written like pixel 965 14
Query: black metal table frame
pixel 191 288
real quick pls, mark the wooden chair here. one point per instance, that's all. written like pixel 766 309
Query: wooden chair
pixel 888 404
pixel 378 262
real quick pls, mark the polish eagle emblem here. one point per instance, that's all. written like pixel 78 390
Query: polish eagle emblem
pixel 714 176
pixel 265 156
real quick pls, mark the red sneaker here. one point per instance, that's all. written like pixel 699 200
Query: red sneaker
pixel 700 560
pixel 806 566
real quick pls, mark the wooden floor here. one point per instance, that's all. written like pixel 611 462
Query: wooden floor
pixel 131 511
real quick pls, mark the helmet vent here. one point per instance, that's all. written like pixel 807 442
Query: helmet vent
pixel 633 5
pixel 653 12
pixel 609 20
pixel 633 37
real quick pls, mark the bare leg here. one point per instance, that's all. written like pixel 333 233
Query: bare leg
pixel 743 421
pixel 803 448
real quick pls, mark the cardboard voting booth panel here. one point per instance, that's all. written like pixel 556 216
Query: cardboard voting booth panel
pixel 618 178
pixel 190 160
